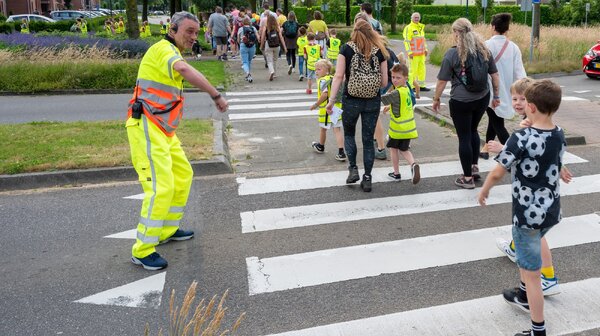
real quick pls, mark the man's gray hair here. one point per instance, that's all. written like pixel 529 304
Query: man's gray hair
pixel 180 16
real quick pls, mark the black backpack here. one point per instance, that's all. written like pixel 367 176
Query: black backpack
pixel 248 37
pixel 290 29
pixel 273 38
pixel 474 75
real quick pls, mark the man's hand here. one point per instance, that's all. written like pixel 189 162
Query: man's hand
pixel 436 106
pixel 221 104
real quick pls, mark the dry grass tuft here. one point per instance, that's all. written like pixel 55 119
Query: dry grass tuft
pixel 206 319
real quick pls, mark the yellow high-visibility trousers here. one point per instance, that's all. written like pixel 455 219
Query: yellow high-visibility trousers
pixel 417 68
pixel 166 177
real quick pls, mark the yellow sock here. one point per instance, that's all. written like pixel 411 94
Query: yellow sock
pixel 548 272
pixel 512 245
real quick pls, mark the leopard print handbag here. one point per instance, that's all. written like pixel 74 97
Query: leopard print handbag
pixel 365 76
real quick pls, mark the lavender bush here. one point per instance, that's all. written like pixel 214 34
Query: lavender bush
pixel 119 48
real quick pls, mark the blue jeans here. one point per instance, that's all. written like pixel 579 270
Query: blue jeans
pixel 528 247
pixel 368 110
pixel 247 53
pixel 301 68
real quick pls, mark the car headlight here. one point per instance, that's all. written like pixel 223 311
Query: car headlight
pixel 591 53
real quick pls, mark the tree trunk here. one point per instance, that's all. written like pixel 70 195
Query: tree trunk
pixel 285 7
pixel 178 7
pixel 348 19
pixel 133 30
pixel 144 10
pixel 394 18
pixel 171 8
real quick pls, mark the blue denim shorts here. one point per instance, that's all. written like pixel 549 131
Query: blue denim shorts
pixel 528 247
pixel 311 74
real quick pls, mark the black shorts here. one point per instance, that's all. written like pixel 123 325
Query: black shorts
pixel 221 40
pixel 401 144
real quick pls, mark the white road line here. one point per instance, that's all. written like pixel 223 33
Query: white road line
pixel 327 213
pixel 144 293
pixel 361 261
pixel 582 91
pixel 265 93
pixel 571 98
pixel 269 98
pixel 575 310
pixel 269 106
pixel 129 234
pixel 268 115
pixel 286 272
pixel 338 178
pixel 138 196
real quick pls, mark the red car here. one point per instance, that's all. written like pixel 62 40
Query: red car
pixel 591 61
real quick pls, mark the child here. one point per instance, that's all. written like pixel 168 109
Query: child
pixel 536 205
pixel 323 69
pixel 402 123
pixel 549 280
pixel 312 53
pixel 411 78
pixel 301 42
pixel 333 47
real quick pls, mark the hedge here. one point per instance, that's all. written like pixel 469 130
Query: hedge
pixel 94 24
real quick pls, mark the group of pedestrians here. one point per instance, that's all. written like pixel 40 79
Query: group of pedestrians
pixel 482 74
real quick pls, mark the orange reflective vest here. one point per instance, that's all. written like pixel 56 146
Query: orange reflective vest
pixel 414 39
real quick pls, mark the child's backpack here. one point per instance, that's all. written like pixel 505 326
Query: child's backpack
pixel 365 75
pixel 474 75
pixel 290 29
pixel 273 38
pixel 248 37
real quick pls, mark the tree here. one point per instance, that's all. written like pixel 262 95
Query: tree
pixel 144 10
pixel 348 22
pixel 394 18
pixel 405 7
pixel 132 22
pixel 174 6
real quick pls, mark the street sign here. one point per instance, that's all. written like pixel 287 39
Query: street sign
pixel 484 4
pixel 526 6
pixel 536 1
pixel 587 6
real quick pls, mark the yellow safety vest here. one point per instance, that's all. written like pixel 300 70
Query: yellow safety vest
pixel 159 87
pixel 83 29
pixel 323 116
pixel 403 127
pixel 163 29
pixel 334 48
pixel 121 27
pixel 313 54
pixel 301 42
pixel 24 28
pixel 108 29
pixel 414 39
pixel 142 31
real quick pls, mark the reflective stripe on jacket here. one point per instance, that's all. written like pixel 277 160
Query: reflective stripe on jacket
pixel 403 126
pixel 159 87
pixel 334 48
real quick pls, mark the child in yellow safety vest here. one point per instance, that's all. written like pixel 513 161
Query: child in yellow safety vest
pixel 323 70
pixel 108 28
pixel 301 42
pixel 333 47
pixel 24 26
pixel 312 53
pixel 163 28
pixel 402 123
pixel 121 26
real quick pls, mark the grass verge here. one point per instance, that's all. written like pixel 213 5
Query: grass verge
pixel 47 146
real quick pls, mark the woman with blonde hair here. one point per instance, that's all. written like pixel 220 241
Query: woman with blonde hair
pixel 467 66
pixel 270 42
pixel 362 66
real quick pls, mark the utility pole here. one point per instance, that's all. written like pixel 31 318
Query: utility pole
pixel 535 27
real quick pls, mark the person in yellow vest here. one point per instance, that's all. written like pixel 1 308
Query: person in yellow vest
pixel 163 28
pixel 312 53
pixel 145 30
pixel 108 28
pixel 416 47
pixel 280 17
pixel 323 69
pixel 24 26
pixel 82 27
pixel 121 25
pixel 333 46
pixel 301 42
pixel 154 113
pixel 168 24
pixel 402 127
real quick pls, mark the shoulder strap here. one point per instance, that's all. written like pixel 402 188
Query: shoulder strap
pixel 501 51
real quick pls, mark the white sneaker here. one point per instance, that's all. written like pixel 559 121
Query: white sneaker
pixel 504 246
pixel 550 286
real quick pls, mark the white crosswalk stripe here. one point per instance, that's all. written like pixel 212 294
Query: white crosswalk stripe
pixel 284 273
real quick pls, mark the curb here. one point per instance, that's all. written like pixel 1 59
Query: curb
pixel 572 139
pixel 219 164
pixel 88 91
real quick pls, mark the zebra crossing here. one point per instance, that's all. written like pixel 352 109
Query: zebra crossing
pixel 284 274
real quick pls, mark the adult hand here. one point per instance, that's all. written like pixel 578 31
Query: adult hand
pixel 221 104
pixel 495 102
pixel 482 197
pixel 436 106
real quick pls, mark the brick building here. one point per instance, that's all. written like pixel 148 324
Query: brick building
pixel 8 7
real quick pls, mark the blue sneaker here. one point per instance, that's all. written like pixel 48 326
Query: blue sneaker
pixel 179 235
pixel 152 262
pixel 550 286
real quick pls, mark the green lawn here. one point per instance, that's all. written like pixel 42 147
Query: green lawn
pixel 47 146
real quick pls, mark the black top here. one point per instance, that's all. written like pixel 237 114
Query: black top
pixel 347 52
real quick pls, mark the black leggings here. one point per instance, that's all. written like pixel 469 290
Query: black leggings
pixel 290 56
pixel 495 127
pixel 466 117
